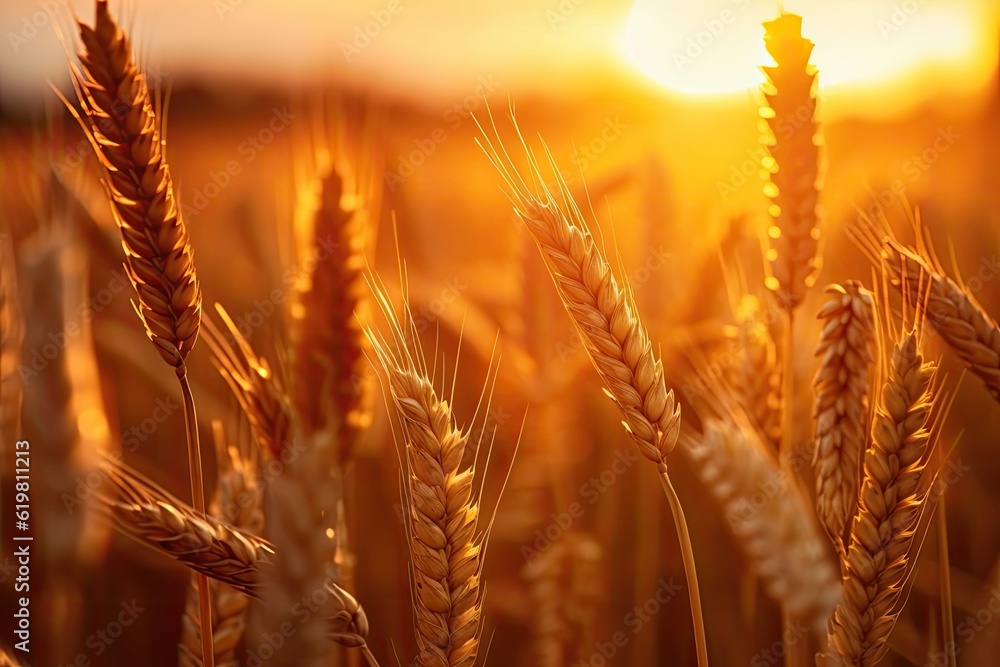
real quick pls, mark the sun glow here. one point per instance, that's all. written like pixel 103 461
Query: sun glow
pixel 716 47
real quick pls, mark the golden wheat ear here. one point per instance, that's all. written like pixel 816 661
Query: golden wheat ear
pixel 793 165
pixel 447 544
pixel 896 497
pixel 604 312
pixel 125 132
pixel 142 510
pixel 841 406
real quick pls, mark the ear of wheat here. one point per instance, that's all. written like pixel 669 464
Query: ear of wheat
pixel 841 404
pixel 331 379
pixel 145 512
pixel 125 133
pixel 238 502
pixel 768 516
pixel 894 498
pixel 446 545
pixel 606 317
pixel 794 160
pixel 6 659
pixel 953 312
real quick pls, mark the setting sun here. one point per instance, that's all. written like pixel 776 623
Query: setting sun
pixel 715 47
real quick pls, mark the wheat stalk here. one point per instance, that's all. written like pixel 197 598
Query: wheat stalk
pixel 793 165
pixel 145 512
pixel 238 502
pixel 607 319
pixel 841 403
pixel 331 381
pixel 125 133
pixel 768 515
pixel 893 500
pixel 446 546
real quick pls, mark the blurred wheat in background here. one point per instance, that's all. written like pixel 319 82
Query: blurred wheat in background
pixel 397 262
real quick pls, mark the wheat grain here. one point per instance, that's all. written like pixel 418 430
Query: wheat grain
pixel 842 402
pixel 892 503
pixel 769 517
pixel 793 164
pixel 443 512
pixel 237 501
pixel 142 510
pixel 125 133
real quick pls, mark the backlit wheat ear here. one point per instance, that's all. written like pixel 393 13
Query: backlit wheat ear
pixel 446 543
pixel 894 499
pixel 603 311
pixel 951 309
pixel 237 501
pixel 125 132
pixel 793 164
pixel 842 402
pixel 769 517
pixel 332 380
pixel 145 512
pixel 606 317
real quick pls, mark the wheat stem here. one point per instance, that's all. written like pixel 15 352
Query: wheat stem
pixel 198 501
pixel 944 579
pixel 690 569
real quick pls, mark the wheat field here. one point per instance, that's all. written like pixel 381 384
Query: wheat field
pixel 317 371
